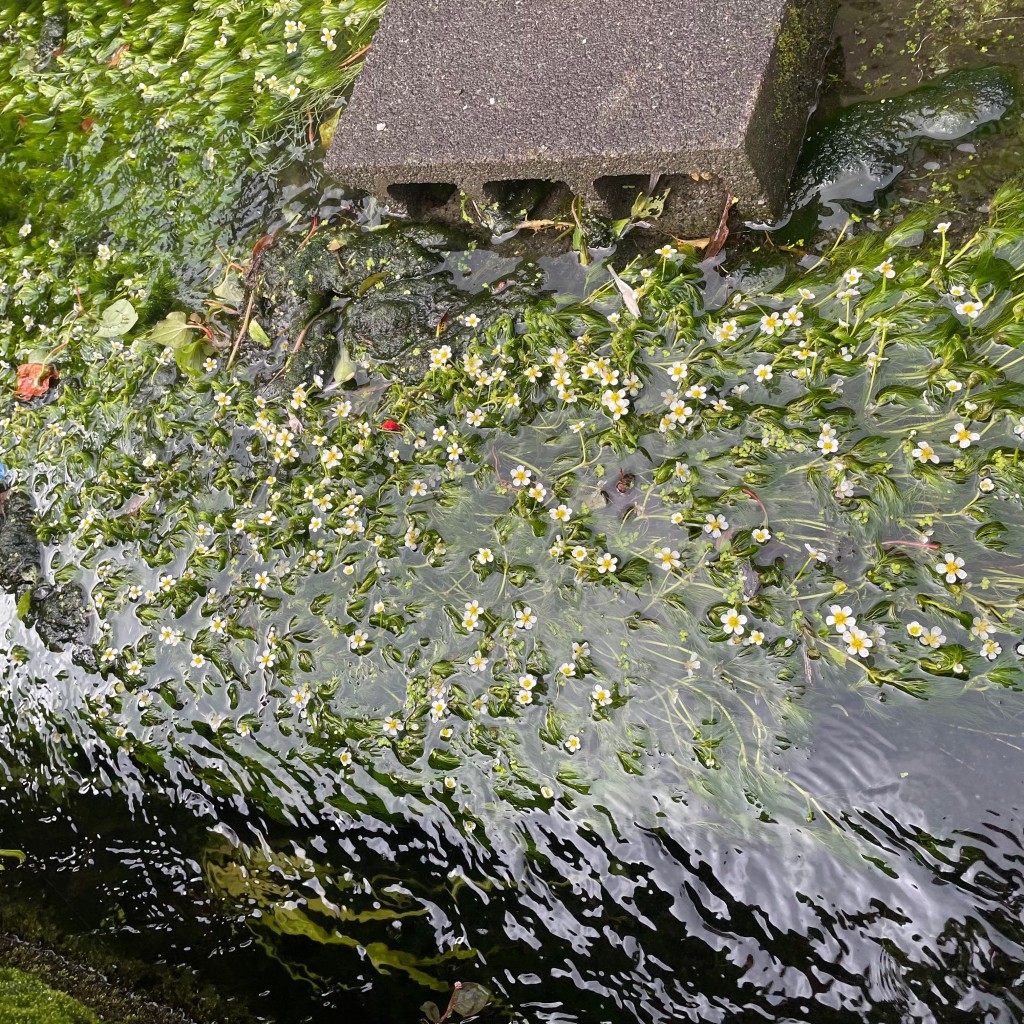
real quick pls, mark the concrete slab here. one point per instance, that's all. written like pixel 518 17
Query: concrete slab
pixel 598 94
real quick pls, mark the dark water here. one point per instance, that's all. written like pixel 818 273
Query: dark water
pixel 910 912
pixel 898 897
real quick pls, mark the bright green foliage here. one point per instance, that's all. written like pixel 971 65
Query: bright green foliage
pixel 24 999
pixel 147 135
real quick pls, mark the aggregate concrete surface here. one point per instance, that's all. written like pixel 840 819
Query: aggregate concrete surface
pixel 472 93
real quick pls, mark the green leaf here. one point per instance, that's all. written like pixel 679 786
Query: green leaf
pixel 326 135
pixel 118 319
pixel 190 357
pixel 470 999
pixel 171 332
pixel 258 334
pixel 230 290
pixel 345 367
pixel 429 1009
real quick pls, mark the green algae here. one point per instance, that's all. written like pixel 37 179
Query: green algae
pixel 855 154
pixel 24 999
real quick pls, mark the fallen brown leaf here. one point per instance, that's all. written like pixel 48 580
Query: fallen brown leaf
pixel 718 239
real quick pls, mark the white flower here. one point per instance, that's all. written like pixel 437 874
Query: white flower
pixel 392 726
pixel 951 567
pixel 970 309
pixel 669 559
pixel 525 618
pixel 733 622
pixel 858 642
pixel 963 436
pixel 841 617
pixel 991 649
pixel 716 525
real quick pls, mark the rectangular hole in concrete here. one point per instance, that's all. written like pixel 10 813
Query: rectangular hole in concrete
pixel 619 192
pixel 420 200
pixel 521 197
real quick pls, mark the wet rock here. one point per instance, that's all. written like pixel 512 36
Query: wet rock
pixel 56 611
pixel 379 297
pixel 51 39
pixel 861 149
pixel 58 614
pixel 393 323
pixel 20 554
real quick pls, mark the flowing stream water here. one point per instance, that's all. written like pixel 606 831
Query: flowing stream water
pixel 317 771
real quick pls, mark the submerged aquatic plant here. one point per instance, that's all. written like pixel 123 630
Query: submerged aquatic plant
pixel 579 538
pixel 139 139
pixel 642 525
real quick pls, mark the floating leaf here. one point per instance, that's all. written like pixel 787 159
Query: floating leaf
pixel 345 368
pixel 230 289
pixel 628 293
pixel 172 332
pixel 259 335
pixel 34 380
pixel 118 319
pixel 470 999
pixel 431 1012
pixel 327 129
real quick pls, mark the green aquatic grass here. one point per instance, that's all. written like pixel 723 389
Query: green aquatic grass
pixel 138 140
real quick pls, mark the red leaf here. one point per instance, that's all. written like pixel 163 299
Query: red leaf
pixel 87 124
pixel 390 425
pixel 34 380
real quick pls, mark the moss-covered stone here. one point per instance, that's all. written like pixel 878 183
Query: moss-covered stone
pixel 24 999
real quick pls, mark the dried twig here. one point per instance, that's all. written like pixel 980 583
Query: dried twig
pixel 243 328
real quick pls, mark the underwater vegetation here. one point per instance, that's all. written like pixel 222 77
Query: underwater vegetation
pixel 370 505
pixel 621 533
pixel 372 529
